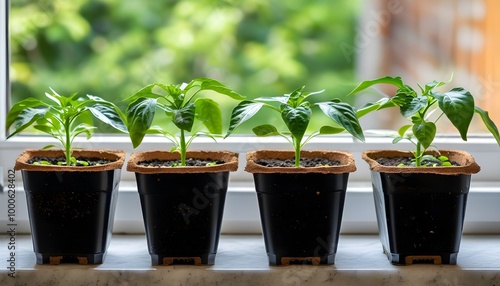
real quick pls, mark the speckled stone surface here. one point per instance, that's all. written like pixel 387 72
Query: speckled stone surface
pixel 242 260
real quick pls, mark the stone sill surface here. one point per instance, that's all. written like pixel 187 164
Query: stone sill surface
pixel 242 260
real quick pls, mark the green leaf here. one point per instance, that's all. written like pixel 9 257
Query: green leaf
pixel 174 92
pixel 51 120
pixel 62 101
pixel 424 132
pixel 490 125
pixel 458 105
pixel 19 107
pixel 55 97
pixel 184 118
pixel 307 94
pixel 403 130
pixel 241 113
pixel 109 115
pixel 140 114
pixel 432 159
pixel 279 99
pixel 265 130
pixel 145 92
pixel 47 129
pixel 296 119
pixel 397 139
pixel 344 115
pixel 208 112
pixel 330 130
pixel 295 97
pixel 155 129
pixel 201 133
pixel 212 84
pixel 430 86
pixel 83 163
pixel 396 81
pixel 382 103
pixel 403 98
pixel 83 128
pixel 443 158
pixel 48 147
pixel 413 106
pixel 25 118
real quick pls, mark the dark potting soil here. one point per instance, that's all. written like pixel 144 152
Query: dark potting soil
pixel 174 163
pixel 56 160
pixel 304 162
pixel 396 161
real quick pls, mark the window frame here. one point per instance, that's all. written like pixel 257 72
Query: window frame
pixel 241 210
pixel 4 65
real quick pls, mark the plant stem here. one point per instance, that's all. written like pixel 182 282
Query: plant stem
pixel 67 144
pixel 418 155
pixel 182 148
pixel 297 152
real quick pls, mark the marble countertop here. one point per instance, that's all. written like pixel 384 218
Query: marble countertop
pixel 242 260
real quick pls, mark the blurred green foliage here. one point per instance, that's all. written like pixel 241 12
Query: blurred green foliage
pixel 111 48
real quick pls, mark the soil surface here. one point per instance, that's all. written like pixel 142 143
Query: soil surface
pixel 304 162
pixel 55 160
pixel 396 161
pixel 173 163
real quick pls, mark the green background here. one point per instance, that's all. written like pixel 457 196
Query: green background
pixel 111 48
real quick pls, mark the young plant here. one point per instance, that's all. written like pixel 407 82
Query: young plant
pixel 457 105
pixel 179 105
pixel 64 118
pixel 296 111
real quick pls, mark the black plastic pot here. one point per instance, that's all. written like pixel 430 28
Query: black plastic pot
pixel 420 214
pixel 71 212
pixel 182 215
pixel 301 208
pixel 301 216
pixel 182 207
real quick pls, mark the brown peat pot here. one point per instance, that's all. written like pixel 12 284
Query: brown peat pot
pixel 182 207
pixel 71 209
pixel 420 210
pixel 301 208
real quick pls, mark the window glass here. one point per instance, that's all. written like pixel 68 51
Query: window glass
pixel 432 40
pixel 111 48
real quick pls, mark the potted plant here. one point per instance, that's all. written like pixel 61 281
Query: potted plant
pixel 182 192
pixel 71 194
pixel 420 196
pixel 300 193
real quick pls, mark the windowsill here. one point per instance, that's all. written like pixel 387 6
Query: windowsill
pixel 241 211
pixel 242 260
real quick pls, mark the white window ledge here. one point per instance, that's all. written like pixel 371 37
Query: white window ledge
pixel 242 260
pixel 241 209
pixel 241 213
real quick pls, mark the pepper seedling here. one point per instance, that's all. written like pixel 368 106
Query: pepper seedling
pixel 456 104
pixel 64 118
pixel 296 111
pixel 181 105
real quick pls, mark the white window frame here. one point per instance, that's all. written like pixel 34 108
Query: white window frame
pixel 241 210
